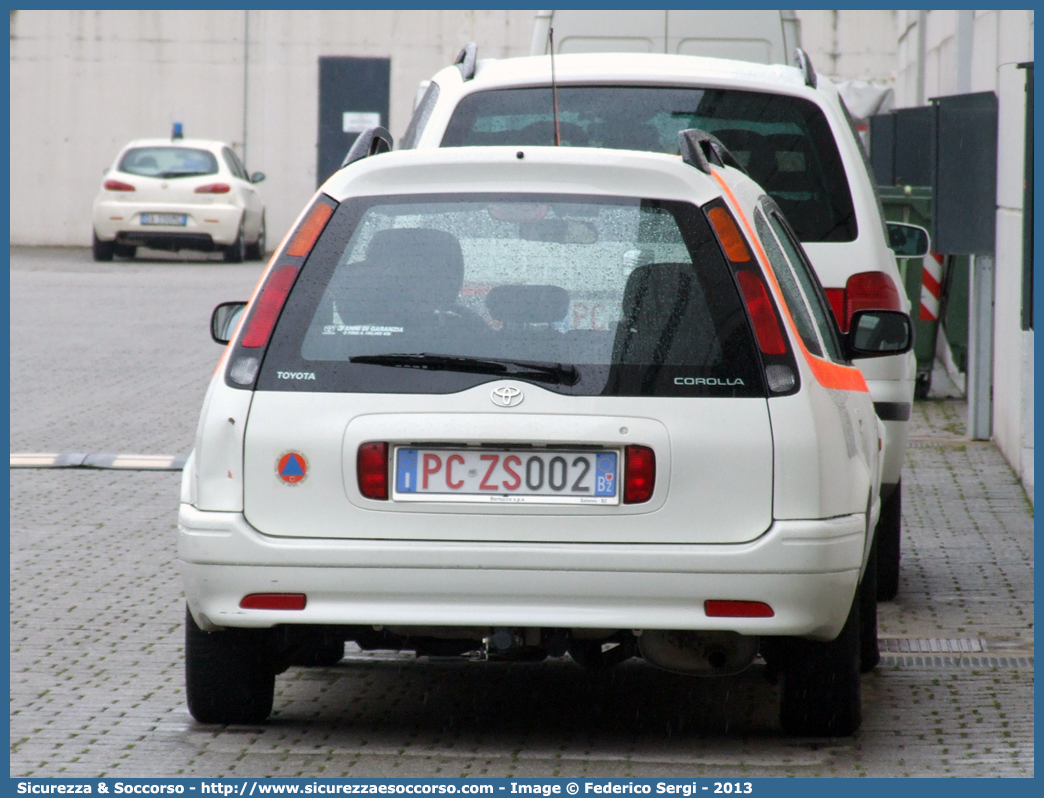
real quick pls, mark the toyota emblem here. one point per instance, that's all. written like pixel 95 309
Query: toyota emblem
pixel 507 396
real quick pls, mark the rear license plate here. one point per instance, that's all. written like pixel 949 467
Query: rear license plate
pixel 506 476
pixel 175 219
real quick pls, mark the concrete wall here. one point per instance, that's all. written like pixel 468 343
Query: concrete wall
pixel 1000 39
pixel 853 44
pixel 83 83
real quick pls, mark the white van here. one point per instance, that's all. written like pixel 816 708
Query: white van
pixel 763 36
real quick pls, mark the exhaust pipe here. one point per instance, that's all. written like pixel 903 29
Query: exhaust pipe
pixel 698 653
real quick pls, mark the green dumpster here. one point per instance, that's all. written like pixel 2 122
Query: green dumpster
pixel 913 205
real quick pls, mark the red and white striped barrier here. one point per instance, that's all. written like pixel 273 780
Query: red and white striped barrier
pixel 931 287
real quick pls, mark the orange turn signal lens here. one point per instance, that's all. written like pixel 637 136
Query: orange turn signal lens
pixel 306 235
pixel 729 235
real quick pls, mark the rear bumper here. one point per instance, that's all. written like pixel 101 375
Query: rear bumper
pixel 806 571
pixel 217 224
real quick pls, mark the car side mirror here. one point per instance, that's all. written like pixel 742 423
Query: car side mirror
pixel 224 320
pixel 257 177
pixel 879 333
pixel 908 240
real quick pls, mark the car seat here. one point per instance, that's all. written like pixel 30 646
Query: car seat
pixel 665 321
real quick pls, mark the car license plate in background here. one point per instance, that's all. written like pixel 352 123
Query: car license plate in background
pixel 505 476
pixel 177 219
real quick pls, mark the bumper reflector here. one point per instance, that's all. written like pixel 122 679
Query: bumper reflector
pixel 718 608
pixel 274 601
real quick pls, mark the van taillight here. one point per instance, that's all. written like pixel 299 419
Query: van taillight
pixel 766 327
pixel 118 185
pixel 836 298
pixel 371 468
pixel 639 474
pixel 863 291
pixel 269 305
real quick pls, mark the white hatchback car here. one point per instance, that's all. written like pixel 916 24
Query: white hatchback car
pixel 788 128
pixel 176 194
pixel 532 401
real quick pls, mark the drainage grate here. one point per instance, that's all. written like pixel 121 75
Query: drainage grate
pixel 931 645
pixel 919 662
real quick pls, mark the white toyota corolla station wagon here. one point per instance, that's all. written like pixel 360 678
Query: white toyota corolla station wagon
pixel 532 401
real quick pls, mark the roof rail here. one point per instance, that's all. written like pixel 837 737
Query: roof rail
pixel 465 60
pixel 805 65
pixel 372 141
pixel 700 149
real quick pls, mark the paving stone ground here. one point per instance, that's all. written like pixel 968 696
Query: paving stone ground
pixel 97 608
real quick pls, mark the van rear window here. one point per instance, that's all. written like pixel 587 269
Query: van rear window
pixel 582 295
pixel 784 142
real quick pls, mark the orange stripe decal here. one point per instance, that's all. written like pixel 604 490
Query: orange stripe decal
pixel 829 375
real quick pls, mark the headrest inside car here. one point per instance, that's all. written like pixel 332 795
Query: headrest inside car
pixel 427 261
pixel 528 304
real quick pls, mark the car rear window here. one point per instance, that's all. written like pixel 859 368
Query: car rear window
pixel 582 295
pixel 168 162
pixel 784 142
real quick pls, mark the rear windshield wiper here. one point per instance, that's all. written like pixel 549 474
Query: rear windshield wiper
pixel 558 373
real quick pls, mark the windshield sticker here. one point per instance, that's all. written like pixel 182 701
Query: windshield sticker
pixel 295 375
pixel 359 329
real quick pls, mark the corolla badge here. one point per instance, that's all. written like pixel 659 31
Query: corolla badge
pixel 506 396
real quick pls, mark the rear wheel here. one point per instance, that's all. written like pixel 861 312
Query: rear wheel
pixel 229 676
pixel 101 250
pixel 888 544
pixel 256 251
pixel 236 251
pixel 821 690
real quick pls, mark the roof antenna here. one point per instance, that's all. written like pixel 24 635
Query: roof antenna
pixel 554 85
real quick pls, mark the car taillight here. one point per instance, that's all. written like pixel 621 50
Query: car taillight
pixel 371 468
pixel 863 291
pixel 639 474
pixel 214 188
pixel 118 185
pixel 309 230
pixel 274 601
pixel 766 326
pixel 720 608
pixel 269 305
pixel 729 235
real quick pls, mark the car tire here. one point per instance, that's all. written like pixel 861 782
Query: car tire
pixel 236 251
pixel 888 545
pixel 869 652
pixel 821 694
pixel 102 250
pixel 228 674
pixel 126 251
pixel 256 251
